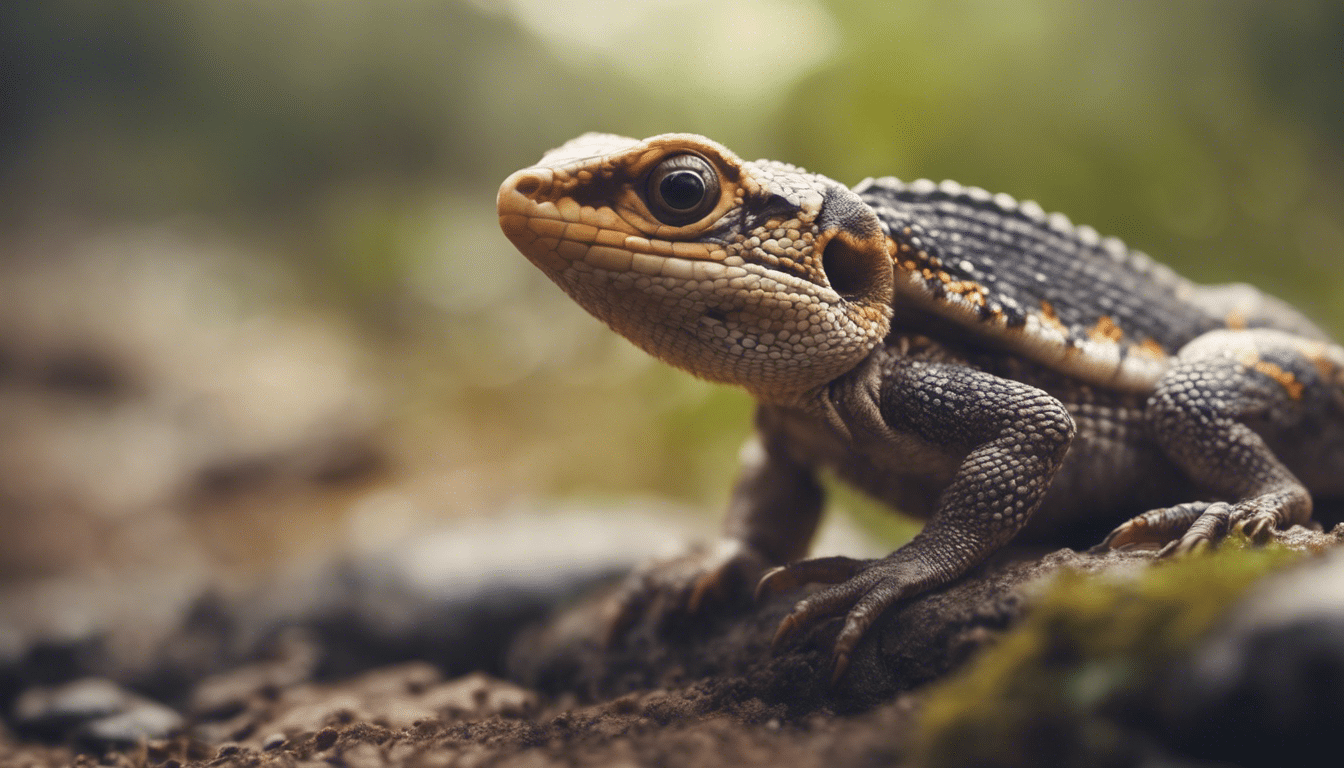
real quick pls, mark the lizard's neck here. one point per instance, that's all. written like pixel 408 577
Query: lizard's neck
pixel 846 402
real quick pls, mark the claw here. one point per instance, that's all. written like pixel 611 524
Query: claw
pixel 679 586
pixel 787 628
pixel 1158 526
pixel 775 581
pixel 1131 532
pixel 710 585
pixel 868 588
pixel 1197 545
pixel 840 667
pixel 1257 529
pixel 821 570
pixel 621 616
pixel 813 609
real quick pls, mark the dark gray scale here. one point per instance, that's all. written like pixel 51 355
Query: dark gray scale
pixel 1022 258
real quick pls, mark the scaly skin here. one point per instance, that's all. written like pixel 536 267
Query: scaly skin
pixel 960 355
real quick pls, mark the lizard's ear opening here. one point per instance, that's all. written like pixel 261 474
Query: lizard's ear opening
pixel 858 269
pixel 855 255
pixel 847 268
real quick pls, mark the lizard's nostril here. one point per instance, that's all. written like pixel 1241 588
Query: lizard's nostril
pixel 519 193
pixel 528 185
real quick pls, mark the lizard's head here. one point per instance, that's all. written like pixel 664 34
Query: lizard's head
pixel 758 274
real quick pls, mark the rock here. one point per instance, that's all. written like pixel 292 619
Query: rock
pixel 916 642
pixel 1268 687
pixel 457 596
pixel 141 721
pixel 453 596
pixel 96 713
pixel 52 712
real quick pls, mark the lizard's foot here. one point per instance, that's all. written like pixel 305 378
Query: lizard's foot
pixel 1155 528
pixel 863 590
pixel 1200 525
pixel 682 585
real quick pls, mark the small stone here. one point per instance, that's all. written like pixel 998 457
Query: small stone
pixel 96 711
pixel 78 700
pixel 142 720
pixel 274 742
pixel 324 739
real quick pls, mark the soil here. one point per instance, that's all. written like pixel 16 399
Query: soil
pixel 707 693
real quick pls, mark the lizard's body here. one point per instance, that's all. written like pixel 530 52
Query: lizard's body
pixel 962 356
pixel 1112 466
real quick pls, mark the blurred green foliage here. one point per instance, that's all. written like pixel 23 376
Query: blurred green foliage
pixel 364 141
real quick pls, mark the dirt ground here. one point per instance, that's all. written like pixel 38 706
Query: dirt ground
pixel 406 715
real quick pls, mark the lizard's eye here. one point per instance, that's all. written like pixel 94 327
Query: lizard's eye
pixel 682 189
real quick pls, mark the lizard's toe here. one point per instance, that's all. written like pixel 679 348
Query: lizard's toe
pixel 1196 526
pixel 1209 529
pixel 857 623
pixel 679 586
pixel 1156 527
pixel 820 570
pixel 1257 527
pixel 816 608
pixel 873 587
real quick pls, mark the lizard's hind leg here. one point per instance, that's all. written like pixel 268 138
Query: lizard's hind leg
pixel 1227 398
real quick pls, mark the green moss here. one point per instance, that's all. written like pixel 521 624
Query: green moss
pixel 1042 695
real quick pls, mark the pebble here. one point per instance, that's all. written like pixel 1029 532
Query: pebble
pixel 96 712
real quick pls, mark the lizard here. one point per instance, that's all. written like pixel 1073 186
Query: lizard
pixel 963 356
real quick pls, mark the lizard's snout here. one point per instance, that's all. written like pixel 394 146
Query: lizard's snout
pixel 526 182
pixel 518 207
pixel 517 195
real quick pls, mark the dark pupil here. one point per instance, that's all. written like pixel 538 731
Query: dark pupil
pixel 682 190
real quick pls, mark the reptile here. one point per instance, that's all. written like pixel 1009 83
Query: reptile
pixel 963 356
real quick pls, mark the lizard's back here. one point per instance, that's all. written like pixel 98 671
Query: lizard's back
pixel 1008 273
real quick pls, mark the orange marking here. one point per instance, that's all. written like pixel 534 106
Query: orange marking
pixel 1285 379
pixel 1106 330
pixel 969 290
pixel 1151 348
pixel 1316 354
pixel 1235 320
pixel 1049 318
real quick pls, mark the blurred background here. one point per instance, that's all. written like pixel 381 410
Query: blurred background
pixel 255 305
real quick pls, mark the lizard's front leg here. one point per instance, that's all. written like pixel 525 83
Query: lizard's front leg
pixel 772 516
pixel 1013 438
